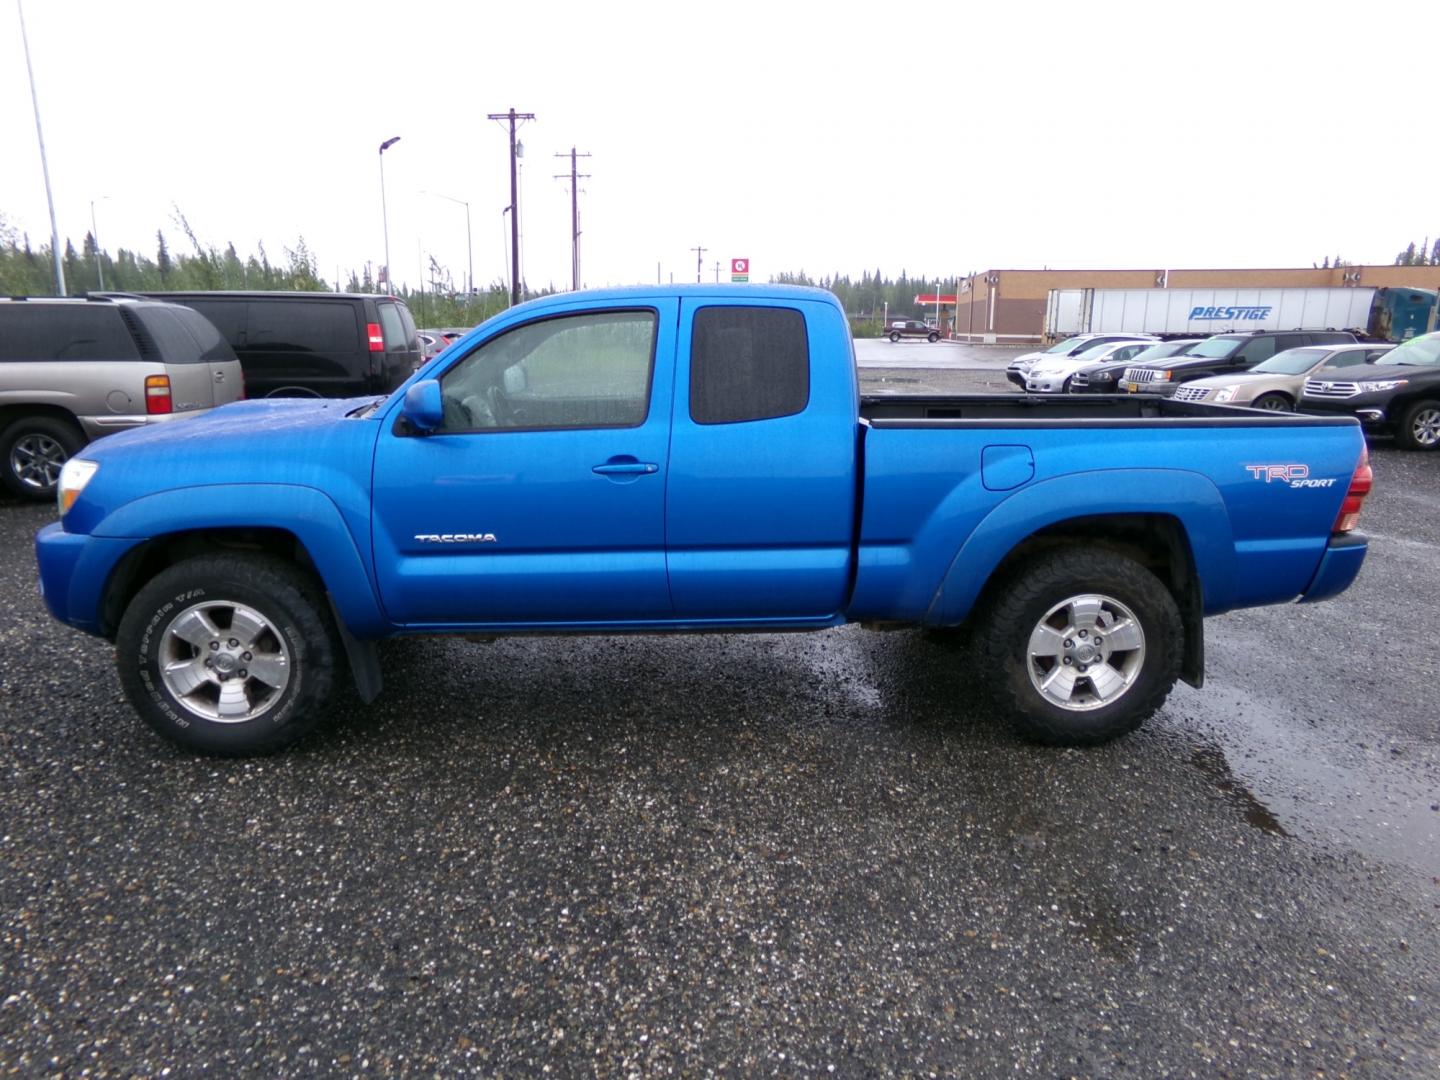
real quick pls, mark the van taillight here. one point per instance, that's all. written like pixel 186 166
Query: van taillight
pixel 377 339
pixel 1360 485
pixel 157 394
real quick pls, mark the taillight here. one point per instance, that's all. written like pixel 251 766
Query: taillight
pixel 1360 485
pixel 377 339
pixel 157 394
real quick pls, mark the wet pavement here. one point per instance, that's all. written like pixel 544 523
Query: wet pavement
pixel 745 855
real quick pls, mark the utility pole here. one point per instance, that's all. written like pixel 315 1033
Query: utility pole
pixel 717 271
pixel 699 261
pixel 575 178
pixel 513 116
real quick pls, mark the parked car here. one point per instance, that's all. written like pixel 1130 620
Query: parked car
pixel 313 344
pixel 1101 378
pixel 910 328
pixel 73 370
pixel 1020 367
pixel 1277 383
pixel 1054 376
pixel 688 458
pixel 1396 394
pixel 1223 354
pixel 432 344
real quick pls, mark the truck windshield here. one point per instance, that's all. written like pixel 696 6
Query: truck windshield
pixel 1214 346
pixel 1421 350
pixel 1292 361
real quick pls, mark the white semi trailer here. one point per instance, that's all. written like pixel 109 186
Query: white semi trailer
pixel 1201 312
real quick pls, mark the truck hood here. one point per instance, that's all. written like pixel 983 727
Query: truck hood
pixel 308 442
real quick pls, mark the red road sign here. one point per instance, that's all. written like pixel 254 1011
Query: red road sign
pixel 739 266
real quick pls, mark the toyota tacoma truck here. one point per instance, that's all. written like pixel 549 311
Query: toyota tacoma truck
pixel 688 459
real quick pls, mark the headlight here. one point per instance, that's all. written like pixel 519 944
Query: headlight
pixel 1103 376
pixel 74 475
pixel 1381 384
pixel 1226 393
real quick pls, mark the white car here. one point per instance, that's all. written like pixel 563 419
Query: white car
pixel 1052 376
pixel 1021 365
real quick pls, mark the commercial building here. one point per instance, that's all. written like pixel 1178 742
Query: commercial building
pixel 1008 306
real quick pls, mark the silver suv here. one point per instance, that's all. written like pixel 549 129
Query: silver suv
pixel 73 370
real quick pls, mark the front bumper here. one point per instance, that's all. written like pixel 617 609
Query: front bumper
pixel 74 570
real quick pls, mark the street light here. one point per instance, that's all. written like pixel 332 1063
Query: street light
pixel 95 236
pixel 470 247
pixel 384 217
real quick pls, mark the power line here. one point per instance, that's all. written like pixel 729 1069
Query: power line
pixel 574 178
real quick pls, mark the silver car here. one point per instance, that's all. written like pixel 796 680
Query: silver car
pixel 1276 383
pixel 73 370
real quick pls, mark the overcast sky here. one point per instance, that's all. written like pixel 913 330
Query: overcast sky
pixel 937 139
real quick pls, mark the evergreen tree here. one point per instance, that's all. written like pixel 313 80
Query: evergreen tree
pixel 162 256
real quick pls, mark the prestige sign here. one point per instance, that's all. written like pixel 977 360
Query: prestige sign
pixel 1228 314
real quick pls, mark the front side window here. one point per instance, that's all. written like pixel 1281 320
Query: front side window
pixel 578 371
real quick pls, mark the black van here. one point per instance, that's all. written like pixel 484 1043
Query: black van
pixel 313 343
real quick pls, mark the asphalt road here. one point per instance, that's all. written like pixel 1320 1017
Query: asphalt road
pixel 747 855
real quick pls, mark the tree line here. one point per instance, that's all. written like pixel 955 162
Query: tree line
pixel 26 270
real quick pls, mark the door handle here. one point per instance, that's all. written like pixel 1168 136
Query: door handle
pixel 219 376
pixel 626 468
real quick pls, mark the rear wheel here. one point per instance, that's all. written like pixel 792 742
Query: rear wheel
pixel 34 448
pixel 1273 403
pixel 1085 646
pixel 895 335
pixel 228 654
pixel 1420 426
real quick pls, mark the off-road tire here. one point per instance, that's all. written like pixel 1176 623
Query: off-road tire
pixel 298 641
pixel 1015 610
pixel 1419 427
pixel 32 449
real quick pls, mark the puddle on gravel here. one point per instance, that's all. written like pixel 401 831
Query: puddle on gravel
pixel 1314 782
pixel 1210 760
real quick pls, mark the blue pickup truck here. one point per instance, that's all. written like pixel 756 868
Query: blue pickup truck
pixel 688 458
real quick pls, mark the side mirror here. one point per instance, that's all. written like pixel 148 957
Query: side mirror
pixel 423 410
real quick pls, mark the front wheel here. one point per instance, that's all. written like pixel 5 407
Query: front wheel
pixel 1272 403
pixel 230 654
pixel 1420 426
pixel 932 338
pixel 1085 646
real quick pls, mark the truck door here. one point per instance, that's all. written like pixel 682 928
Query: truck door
pixel 541 498
pixel 761 493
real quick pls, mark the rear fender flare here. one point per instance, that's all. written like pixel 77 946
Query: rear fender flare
pixel 1190 498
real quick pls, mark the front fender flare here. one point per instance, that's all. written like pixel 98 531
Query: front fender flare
pixel 305 512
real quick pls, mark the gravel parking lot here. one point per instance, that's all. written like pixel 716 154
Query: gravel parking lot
pixel 743 855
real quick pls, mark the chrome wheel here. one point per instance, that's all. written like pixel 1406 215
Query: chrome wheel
pixel 1086 652
pixel 224 662
pixel 1425 427
pixel 36 459
pixel 1272 403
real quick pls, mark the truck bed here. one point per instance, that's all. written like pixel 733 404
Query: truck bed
pixel 1100 410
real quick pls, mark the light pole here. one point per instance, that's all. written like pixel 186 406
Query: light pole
pixel 44 162
pixel 505 237
pixel 384 217
pixel 95 236
pixel 469 246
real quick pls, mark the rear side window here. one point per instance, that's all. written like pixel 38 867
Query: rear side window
pixel 63 332
pixel 178 345
pixel 227 316
pixel 748 363
pixel 214 349
pixel 412 336
pixel 302 326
